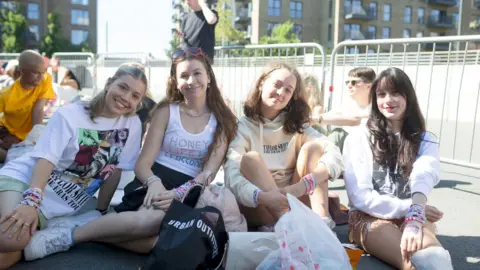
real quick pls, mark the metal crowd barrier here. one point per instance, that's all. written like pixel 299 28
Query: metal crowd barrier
pixel 444 71
pixel 83 65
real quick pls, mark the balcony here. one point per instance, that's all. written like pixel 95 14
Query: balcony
pixel 441 22
pixel 448 3
pixel 359 13
pixel 476 3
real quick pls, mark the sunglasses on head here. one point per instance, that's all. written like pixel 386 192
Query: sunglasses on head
pixel 180 54
pixel 353 82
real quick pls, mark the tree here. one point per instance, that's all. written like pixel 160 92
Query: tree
pixel 281 34
pixel 175 44
pixel 225 32
pixel 14 28
pixel 53 41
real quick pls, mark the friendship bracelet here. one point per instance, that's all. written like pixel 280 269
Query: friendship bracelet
pixel 310 183
pixel 256 193
pixel 150 179
pixel 181 190
pixel 416 212
pixel 32 197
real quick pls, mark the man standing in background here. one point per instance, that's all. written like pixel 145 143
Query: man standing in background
pixel 198 27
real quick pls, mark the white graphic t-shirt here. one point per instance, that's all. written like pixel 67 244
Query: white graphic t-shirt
pixel 183 151
pixel 84 153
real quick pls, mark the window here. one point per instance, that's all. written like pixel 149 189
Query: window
pixel 80 17
pixel 329 32
pixel 373 9
pixel 33 11
pixel 421 16
pixel 406 33
pixel 372 32
pixel 347 6
pixel 330 8
pixel 351 31
pixel 385 32
pixel 274 7
pixel 34 31
pixel 298 29
pixel 270 28
pixel 80 2
pixel 435 15
pixel 407 16
pixel 387 9
pixel 79 36
pixel 8 5
pixel 455 18
pixel 296 9
pixel 357 6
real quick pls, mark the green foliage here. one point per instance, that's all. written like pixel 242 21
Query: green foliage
pixel 14 29
pixel 175 44
pixel 281 34
pixel 225 32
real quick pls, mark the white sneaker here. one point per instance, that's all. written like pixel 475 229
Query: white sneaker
pixel 73 221
pixel 48 241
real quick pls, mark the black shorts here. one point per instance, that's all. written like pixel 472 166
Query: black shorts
pixel 135 192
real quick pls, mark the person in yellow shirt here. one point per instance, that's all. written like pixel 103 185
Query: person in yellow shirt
pixel 22 103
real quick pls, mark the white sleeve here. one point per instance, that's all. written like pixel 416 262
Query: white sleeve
pixel 130 152
pixel 426 168
pixel 332 157
pixel 360 190
pixel 54 139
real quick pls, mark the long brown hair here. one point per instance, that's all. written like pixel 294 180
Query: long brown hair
pixel 297 110
pixel 95 106
pixel 387 149
pixel 226 121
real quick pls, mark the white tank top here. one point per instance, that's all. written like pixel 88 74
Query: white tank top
pixel 183 151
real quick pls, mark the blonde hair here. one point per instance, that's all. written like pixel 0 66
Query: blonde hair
pixel 142 68
pixel 95 106
pixel 313 90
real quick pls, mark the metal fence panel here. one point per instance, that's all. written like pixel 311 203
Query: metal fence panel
pixel 446 82
pixel 237 67
pixel 5 57
pixel 83 66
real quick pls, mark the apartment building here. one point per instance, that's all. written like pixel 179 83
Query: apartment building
pixel 329 22
pixel 78 19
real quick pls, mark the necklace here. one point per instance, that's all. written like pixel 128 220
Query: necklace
pixel 193 115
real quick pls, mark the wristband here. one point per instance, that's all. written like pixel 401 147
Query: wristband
pixel 256 193
pixel 151 179
pixel 32 197
pixel 310 183
pixel 416 212
pixel 181 190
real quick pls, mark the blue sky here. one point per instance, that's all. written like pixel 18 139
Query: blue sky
pixel 134 25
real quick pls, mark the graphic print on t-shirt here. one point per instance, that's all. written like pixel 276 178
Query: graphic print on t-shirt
pixel 390 181
pixel 189 152
pixel 96 159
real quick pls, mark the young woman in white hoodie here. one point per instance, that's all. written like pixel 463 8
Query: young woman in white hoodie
pixel 276 151
pixel 391 166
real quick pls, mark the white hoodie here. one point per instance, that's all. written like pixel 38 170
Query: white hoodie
pixel 278 150
pixel 358 160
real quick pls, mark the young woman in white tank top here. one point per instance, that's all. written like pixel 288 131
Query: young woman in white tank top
pixel 186 143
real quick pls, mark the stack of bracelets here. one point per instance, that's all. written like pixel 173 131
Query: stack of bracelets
pixel 310 183
pixel 416 212
pixel 32 197
pixel 181 190
pixel 151 179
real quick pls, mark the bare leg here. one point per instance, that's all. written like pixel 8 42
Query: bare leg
pixel 307 161
pixel 383 242
pixel 11 248
pixel 254 169
pixel 121 227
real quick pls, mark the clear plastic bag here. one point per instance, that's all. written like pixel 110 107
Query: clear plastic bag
pixel 306 242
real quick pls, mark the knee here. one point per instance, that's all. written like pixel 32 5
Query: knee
pixel 250 159
pixel 8 260
pixel 149 221
pixel 311 148
pixel 430 258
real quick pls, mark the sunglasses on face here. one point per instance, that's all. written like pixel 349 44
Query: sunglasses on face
pixel 181 54
pixel 353 82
